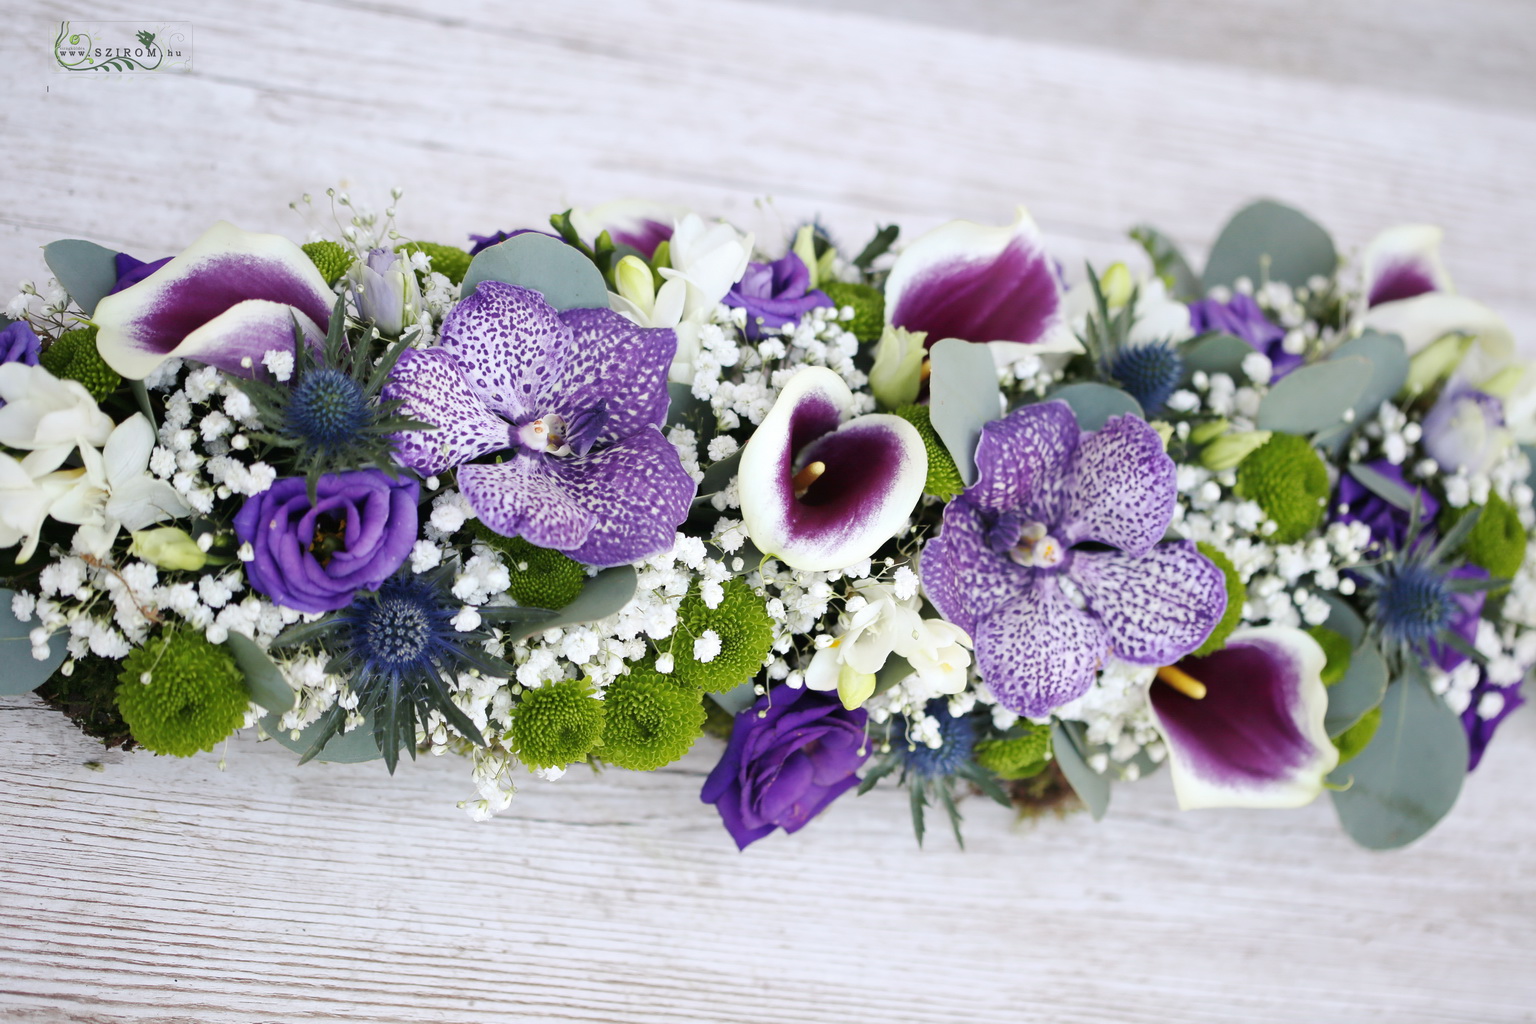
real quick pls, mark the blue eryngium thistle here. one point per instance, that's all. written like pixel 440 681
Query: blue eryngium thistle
pixel 1413 604
pixel 1149 373
pixel 401 653
pixel 957 738
pixel 329 413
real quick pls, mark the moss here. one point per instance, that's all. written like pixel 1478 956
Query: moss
pixel 194 695
pixel 943 476
pixel 73 356
pixel 88 697
pixel 329 258
pixel 746 635
pixel 557 724
pixel 868 308
pixel 1497 540
pixel 1016 757
pixel 1336 647
pixel 1288 480
pixel 541 578
pixel 452 263
pixel 1237 593
pixel 650 719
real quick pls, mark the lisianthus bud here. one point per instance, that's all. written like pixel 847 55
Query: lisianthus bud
pixel 169 547
pixel 1431 365
pixel 897 375
pixel 385 289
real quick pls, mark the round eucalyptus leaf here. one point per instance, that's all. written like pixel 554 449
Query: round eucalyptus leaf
pixel 353 747
pixel 963 396
pixel 23 673
pixel 1269 240
pixel 262 678
pixel 1094 404
pixel 1217 353
pixel 1315 397
pixel 86 271
pixel 566 278
pixel 604 594
pixel 1409 776
pixel 1091 787
pixel 1343 619
pixel 1362 689
pixel 1389 369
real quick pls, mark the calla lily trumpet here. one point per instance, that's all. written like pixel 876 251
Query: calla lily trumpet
pixel 1244 725
pixel 821 488
pixel 229 299
pixel 1404 262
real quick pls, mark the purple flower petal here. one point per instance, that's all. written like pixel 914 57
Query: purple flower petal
pixel 131 271
pixel 522 498
pixel 1120 488
pixel 1156 607
pixel 512 347
pixel 616 365
pixel 430 387
pixel 965 280
pixel 963 576
pixel 635 492
pixel 1399 281
pixel 1404 262
pixel 1256 739
pixel 1038 653
pixel 1022 461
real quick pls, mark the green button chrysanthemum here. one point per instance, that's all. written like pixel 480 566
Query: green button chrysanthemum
pixel 1497 540
pixel 329 258
pixel 1016 757
pixel 73 356
pixel 195 695
pixel 745 631
pixel 943 476
pixel 452 263
pixel 868 308
pixel 1237 593
pixel 1289 482
pixel 650 720
pixel 541 578
pixel 557 724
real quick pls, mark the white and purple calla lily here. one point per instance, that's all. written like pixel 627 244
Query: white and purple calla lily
pixel 640 224
pixel 1403 262
pixel 226 301
pixel 983 284
pixel 822 488
pixel 1244 726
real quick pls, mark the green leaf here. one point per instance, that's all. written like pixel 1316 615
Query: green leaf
pixel 604 594
pixel 682 405
pixel 1361 690
pixel 1268 241
pixel 353 747
pixel 1409 776
pixel 1095 403
pixel 875 774
pixel 963 396
pixel 1216 353
pixel 1383 486
pixel 1091 787
pixel 24 673
pixel 1389 374
pixel 877 247
pixel 1315 397
pixel 1168 263
pixel 566 278
pixel 87 271
pixel 738 699
pixel 262 678
pixel 1343 619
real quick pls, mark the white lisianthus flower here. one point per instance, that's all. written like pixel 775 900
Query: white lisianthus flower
pixel 47 417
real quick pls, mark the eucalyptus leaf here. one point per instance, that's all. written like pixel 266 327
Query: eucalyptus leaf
pixel 682 404
pixel 1269 241
pixel 1343 619
pixel 737 700
pixel 1383 486
pixel 1409 776
pixel 1094 403
pixel 962 397
pixel 1389 374
pixel 87 271
pixel 718 476
pixel 1168 263
pixel 566 278
pixel 1315 397
pixel 1361 690
pixel 353 747
pixel 24 673
pixel 1216 353
pixel 604 594
pixel 262 678
pixel 1091 787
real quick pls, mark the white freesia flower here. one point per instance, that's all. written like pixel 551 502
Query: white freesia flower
pixel 706 259
pixel 887 625
pixel 47 417
pixel 26 501
pixel 121 493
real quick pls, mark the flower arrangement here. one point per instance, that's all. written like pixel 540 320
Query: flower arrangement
pixel 947 515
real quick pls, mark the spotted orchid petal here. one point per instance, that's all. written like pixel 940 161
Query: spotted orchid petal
pixel 871 475
pixel 637 223
pixel 1403 262
pixel 982 284
pixel 1040 653
pixel 962 575
pixel 618 366
pixel 1256 738
pixel 431 387
pixel 226 301
pixel 1156 607
pixel 1120 487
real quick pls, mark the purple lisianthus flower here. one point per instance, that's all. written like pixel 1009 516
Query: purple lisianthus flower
pixel 570 403
pixel 19 344
pixel 1490 704
pixel 775 294
pixel 790 755
pixel 315 556
pixel 1387 522
pixel 130 270
pixel 1241 317
pixel 1051 560
pixel 1465 430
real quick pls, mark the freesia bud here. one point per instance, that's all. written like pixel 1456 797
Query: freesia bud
pixel 1116 284
pixel 385 290
pixel 854 687
pixel 805 248
pixel 169 547
pixel 633 281
pixel 1230 449
pixel 897 375
pixel 1431 365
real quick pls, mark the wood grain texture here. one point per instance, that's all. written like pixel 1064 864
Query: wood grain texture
pixel 161 890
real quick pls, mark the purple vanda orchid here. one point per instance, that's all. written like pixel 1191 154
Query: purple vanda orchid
pixel 1052 560
pixel 983 284
pixel 573 401
pixel 1256 738
pixel 226 301
pixel 821 488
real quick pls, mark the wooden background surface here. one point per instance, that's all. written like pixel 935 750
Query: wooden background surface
pixel 154 889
